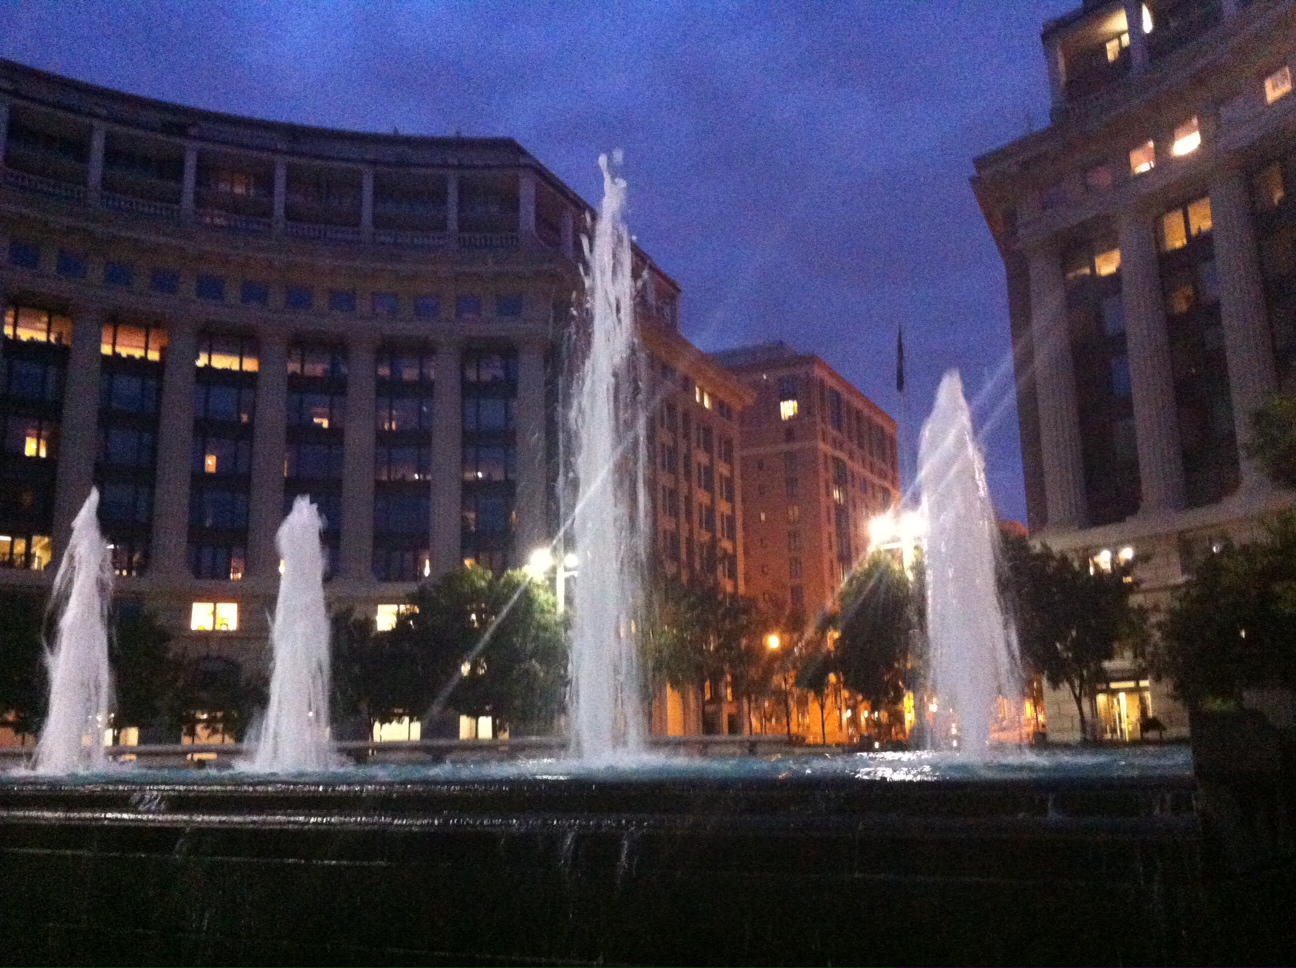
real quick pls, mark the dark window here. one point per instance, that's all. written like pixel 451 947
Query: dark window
pixel 298 300
pixel 255 293
pixel 401 513
pixel 468 307
pixel 342 300
pixel 488 462
pixel 127 503
pixel 127 446
pixel 218 507
pixel 128 392
pixel 427 307
pixel 119 274
pixel 165 281
pixel 210 287
pixel 24 255
pixel 508 304
pixel 385 304
pixel 487 414
pixel 71 265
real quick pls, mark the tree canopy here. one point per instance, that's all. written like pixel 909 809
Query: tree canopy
pixel 879 622
pixel 1273 438
pixel 1070 618
pixel 1231 626
pixel 22 670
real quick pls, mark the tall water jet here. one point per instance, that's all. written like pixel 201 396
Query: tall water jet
pixel 973 652
pixel 295 732
pixel 605 712
pixel 80 682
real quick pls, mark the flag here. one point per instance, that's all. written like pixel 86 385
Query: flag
pixel 900 360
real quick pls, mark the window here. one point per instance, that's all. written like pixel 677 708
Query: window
pixel 385 616
pixel 133 342
pixel 31 437
pixel 1116 45
pixel 1099 177
pixel 1278 84
pixel 793 513
pixel 298 299
pixel 165 281
pixel 255 293
pixel 1120 376
pixel 214 617
pixel 222 562
pixel 317 362
pixel 797 593
pixel 487 414
pixel 410 365
pixel 1187 138
pixel 119 274
pixel 71 265
pixel 485 462
pixel 508 304
pixel 24 255
pixel 321 410
pixel 1199 217
pixel 1113 315
pixel 25 552
pixel 794 568
pixel 221 455
pixel 1143 158
pixel 427 307
pixel 787 409
pixel 223 403
pixel 1173 234
pixel 129 392
pixel 794 541
pixel 27 324
pixel 1107 263
pixel 385 304
pixel 227 352
pixel 468 307
pixel 211 288
pixel 342 301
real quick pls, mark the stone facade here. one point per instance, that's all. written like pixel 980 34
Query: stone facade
pixel 1148 239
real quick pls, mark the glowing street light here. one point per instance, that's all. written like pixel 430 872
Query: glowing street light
pixel 772 641
pixel 542 560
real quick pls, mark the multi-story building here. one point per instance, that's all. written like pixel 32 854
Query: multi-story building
pixel 1149 240
pixel 818 462
pixel 208 315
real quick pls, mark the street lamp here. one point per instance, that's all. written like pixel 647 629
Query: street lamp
pixel 772 641
pixel 539 565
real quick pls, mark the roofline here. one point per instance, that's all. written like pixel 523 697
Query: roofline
pixel 798 360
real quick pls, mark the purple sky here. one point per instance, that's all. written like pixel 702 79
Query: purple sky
pixel 800 168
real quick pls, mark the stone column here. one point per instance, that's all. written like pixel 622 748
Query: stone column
pixel 1156 417
pixel 1138 39
pixel 189 181
pixel 366 203
pixel 94 170
pixel 568 233
pixel 358 461
pixel 452 208
pixel 269 435
pixel 526 207
pixel 447 461
pixel 169 553
pixel 4 128
pixel 532 451
pixel 1059 414
pixel 1247 342
pixel 280 196
pixel 79 428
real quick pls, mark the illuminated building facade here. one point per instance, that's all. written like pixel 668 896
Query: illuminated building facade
pixel 1149 240
pixel 208 315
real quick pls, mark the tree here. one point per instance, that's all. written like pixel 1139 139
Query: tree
pixel 1273 438
pixel 22 669
pixel 1231 625
pixel 879 625
pixel 212 692
pixel 1070 618
pixel 145 673
pixel 486 644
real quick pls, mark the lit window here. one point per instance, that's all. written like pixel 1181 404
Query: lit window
pixel 1125 555
pixel 1147 20
pixel 1278 84
pixel 36 444
pixel 214 617
pixel 1187 138
pixel 1116 45
pixel 1101 562
pixel 1107 263
pixel 787 409
pixel 400 728
pixel 1199 217
pixel 706 399
pixel 1173 235
pixel 1143 158
pixel 209 463
pixel 386 616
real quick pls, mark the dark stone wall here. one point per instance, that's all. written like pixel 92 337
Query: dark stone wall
pixel 771 872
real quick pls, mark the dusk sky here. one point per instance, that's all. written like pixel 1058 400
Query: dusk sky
pixel 800 168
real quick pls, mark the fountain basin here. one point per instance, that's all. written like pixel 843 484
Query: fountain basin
pixel 789 861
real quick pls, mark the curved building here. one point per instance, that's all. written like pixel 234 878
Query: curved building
pixel 208 315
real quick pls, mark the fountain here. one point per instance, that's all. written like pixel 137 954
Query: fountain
pixel 604 857
pixel 605 711
pixel 79 679
pixel 294 735
pixel 973 651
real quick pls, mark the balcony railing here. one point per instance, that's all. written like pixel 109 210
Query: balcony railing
pixel 322 233
pixel 236 223
pixel 417 240
pixel 139 206
pixel 488 240
pixel 44 186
